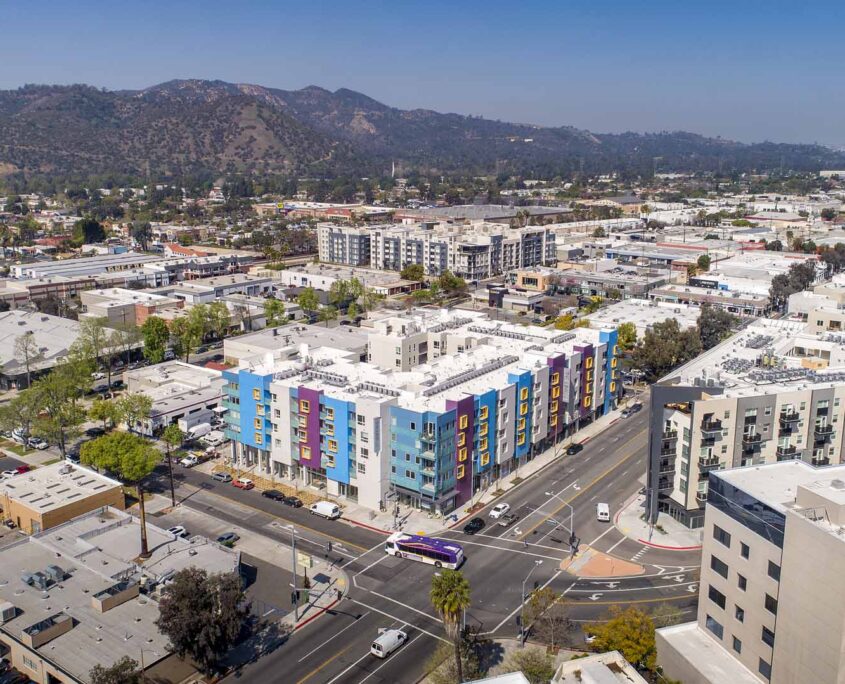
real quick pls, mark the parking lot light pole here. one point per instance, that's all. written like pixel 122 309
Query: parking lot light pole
pixel 522 632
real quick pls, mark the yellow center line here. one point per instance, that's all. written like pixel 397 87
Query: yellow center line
pixel 583 489
pixel 662 599
pixel 324 664
pixel 285 520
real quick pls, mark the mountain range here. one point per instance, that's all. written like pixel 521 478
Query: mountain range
pixel 213 127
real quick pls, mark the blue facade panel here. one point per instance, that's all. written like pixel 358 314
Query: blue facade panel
pixel 487 426
pixel 339 422
pixel 524 386
pixel 610 338
pixel 254 395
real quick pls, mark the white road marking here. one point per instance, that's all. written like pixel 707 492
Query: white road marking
pixel 615 545
pixel 519 607
pixel 404 605
pixel 624 590
pixel 388 658
pixel 370 550
pixel 351 624
pixel 393 617
pixel 370 565
pixel 607 531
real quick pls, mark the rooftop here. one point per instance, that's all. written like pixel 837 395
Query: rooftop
pixel 705 655
pixel 53 337
pixel 172 384
pixel 53 486
pixel 644 314
pixel 599 668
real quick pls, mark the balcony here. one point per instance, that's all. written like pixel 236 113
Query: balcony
pixel 668 451
pixel 665 484
pixel 428 455
pixel 786 452
pixel 701 497
pixel 823 431
pixel 711 427
pixel 666 467
pixel 820 461
pixel 752 439
pixel 429 472
pixel 708 463
pixel 787 417
pixel 670 434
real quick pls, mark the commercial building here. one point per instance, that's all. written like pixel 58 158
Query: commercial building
pixel 181 393
pixel 744 304
pixel 53 494
pixel 207 290
pixel 771 593
pixel 77 596
pixel 323 276
pixel 52 337
pixel 608 280
pixel 121 306
pixel 643 313
pixel 773 392
pixel 471 251
pixel 599 668
pixel 494 213
pixel 443 404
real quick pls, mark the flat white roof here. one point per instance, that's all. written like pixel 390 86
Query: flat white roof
pixel 48 487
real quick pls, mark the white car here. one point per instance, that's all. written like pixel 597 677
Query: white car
pixel 499 510
pixel 37 443
pixel 189 461
pixel 8 473
pixel 178 531
pixel 98 376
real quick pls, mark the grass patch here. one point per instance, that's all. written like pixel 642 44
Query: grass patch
pixel 51 461
pixel 18 449
pixel 516 480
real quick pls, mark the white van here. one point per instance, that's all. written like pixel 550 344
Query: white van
pixel 387 642
pixel 602 512
pixel 327 509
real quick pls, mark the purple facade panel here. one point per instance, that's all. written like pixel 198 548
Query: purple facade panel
pixel 463 407
pixel 557 364
pixel 586 353
pixel 310 422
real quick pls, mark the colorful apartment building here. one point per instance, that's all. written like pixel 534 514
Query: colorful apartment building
pixel 447 403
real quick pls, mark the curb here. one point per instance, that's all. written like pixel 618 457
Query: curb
pixel 368 527
pixel 669 548
pixel 316 615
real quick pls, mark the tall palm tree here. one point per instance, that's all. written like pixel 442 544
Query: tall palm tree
pixel 450 597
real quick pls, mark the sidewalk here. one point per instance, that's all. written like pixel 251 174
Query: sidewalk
pixel 668 533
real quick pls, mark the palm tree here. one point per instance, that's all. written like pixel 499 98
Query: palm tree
pixel 450 598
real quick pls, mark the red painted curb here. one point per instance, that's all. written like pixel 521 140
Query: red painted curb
pixel 669 548
pixel 315 615
pixel 368 527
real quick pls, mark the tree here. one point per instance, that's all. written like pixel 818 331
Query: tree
pixel 141 232
pixel 665 347
pixel 134 408
pixel 274 312
pixel 87 231
pixel 133 458
pixel 352 310
pixel 124 671
pixel 94 342
pixel 441 665
pixel 413 272
pixel 545 615
pixel 326 314
pixel 186 335
pixel 451 284
pixel 105 410
pixel 450 597
pixel 626 336
pixel 156 336
pixel 666 615
pixel 308 301
pixel 124 338
pixel 20 412
pixel 714 325
pixel 565 322
pixel 28 353
pixel 774 246
pixel 703 262
pixel 599 232
pixel 202 615
pixel 172 438
pixel 219 319
pixel 828 214
pixel 629 631
pixel 58 392
pixel 537 665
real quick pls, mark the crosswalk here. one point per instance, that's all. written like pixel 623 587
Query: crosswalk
pixel 639 554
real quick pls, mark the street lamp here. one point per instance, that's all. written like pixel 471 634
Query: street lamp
pixel 522 632
pixel 571 512
pixel 295 594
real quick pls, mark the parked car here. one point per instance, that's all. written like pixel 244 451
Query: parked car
pixel 202 349
pixel 19 436
pixel 37 443
pixel 95 432
pixel 117 384
pixel 243 483
pixel 228 538
pixel 8 473
pixel 273 494
pixel 189 461
pixel 293 501
pixel 10 524
pixel 474 525
pixel 573 449
pixel 169 355
pixel 631 410
pixel 21 469
pixel 97 376
pixel 326 509
pixel 178 531
pixel 221 477
pixel 507 519
pixel 499 510
pixel 73 457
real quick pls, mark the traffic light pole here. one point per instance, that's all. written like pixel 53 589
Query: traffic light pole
pixel 295 594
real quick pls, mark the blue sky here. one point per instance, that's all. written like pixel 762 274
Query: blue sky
pixel 747 69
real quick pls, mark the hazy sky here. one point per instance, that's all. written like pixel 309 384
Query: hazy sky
pixel 744 69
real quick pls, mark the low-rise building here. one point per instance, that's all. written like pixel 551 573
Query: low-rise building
pixel 207 290
pixel 323 276
pixel 771 592
pixel 643 313
pixel 599 668
pixel 53 337
pixel 53 494
pixel 120 306
pixel 744 304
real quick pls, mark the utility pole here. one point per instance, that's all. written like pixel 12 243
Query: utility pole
pixel 295 593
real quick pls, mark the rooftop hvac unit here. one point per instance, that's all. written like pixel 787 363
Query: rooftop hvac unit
pixel 55 573
pixel 7 612
pixel 39 580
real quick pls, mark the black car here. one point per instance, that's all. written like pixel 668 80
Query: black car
pixel 573 449
pixel 95 432
pixel 294 501
pixel 117 384
pixel 473 526
pixel 273 494
pixel 202 350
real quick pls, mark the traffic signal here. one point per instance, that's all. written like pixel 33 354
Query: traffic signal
pixel 328 547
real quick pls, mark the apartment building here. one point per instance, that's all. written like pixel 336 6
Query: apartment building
pixel 772 594
pixel 444 404
pixel 472 251
pixel 773 392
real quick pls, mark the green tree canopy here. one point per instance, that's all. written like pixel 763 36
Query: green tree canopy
pixel 537 665
pixel 202 615
pixel 308 300
pixel 124 671
pixel 274 311
pixel 87 231
pixel 450 597
pixel 664 347
pixel 156 336
pixel 629 631
pixel 626 336
pixel 714 325
pixel 703 262
pixel 413 272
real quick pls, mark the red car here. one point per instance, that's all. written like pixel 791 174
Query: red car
pixel 243 483
pixel 21 469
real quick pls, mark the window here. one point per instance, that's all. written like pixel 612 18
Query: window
pixel 521 439
pixel 523 409
pixel 523 393
pixel 589 363
pixel 277 413
pixel 715 627
pixel 553 420
pixel 721 536
pixel 413 425
pixel 462 439
pixel 462 454
pixel 360 419
pixel 330 413
pixel 393 469
pixel 774 571
pixel 304 406
pixel 554 407
pixel 256 394
pixel 741 582
pixel 365 452
pixel 555 378
pixel 362 469
pixel 737 645
pixel 768 637
pixel 744 550
pixel 483 413
pixel 588 402
pixel 257 423
pixel 521 424
pixel 771 604
pixel 483 430
pixel 459 473
pixel 555 392
pixel 305 452
pixel 485 458
pixel 259 439
pixel 765 669
pixel 30 663
pixel 739 613
pixel 332 445
pixel 719 566
pixel 464 422
pixel 407 456
pixel 482 444
pixel 716 596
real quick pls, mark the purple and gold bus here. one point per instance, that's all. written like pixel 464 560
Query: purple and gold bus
pixel 441 553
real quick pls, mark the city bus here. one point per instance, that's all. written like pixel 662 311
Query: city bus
pixel 439 552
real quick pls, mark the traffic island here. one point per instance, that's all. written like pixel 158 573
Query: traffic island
pixel 592 563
